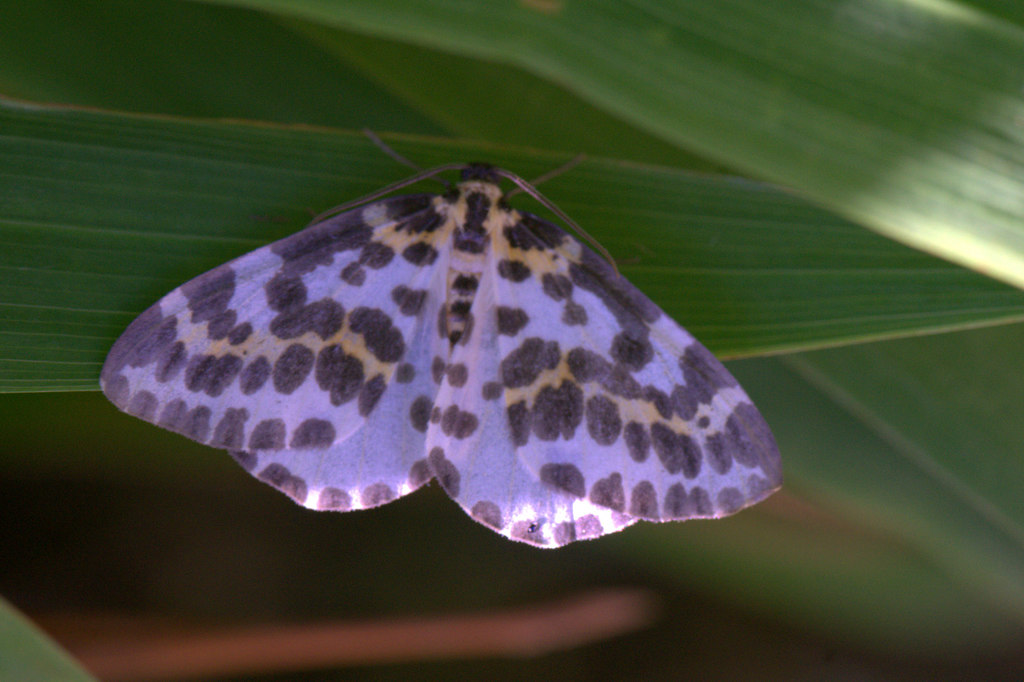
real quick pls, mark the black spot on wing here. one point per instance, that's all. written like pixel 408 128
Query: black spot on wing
pixel 292 368
pixel 230 430
pixel 487 513
pixel 334 499
pixel 587 365
pixel 704 377
pixel 530 531
pixel 254 375
pixel 589 526
pixel 211 374
pixel 513 270
pixel 116 389
pixel 519 236
pixel 458 374
pixel 638 441
pixel 511 320
pixel 339 373
pixel 281 478
pixel 643 501
pixel 353 274
pixel 420 253
pixel 419 413
pixel 269 434
pixel 447 474
pixel 519 423
pixel 370 393
pixel 608 492
pixel 172 360
pixel 143 405
pixel 621 383
pixel 574 314
pixel 633 351
pixel 680 504
pixel 240 334
pixel 557 287
pixel 565 477
pixel 377 494
pixel 409 301
pixel 677 452
pixel 564 533
pixel 437 369
pixel 193 423
pixel 522 366
pixel 419 473
pixel 458 423
pixel 285 292
pixel 323 317
pixel 209 294
pixel 603 421
pixel 405 373
pixel 376 255
pixel 196 423
pixel 313 433
pixel 747 439
pixel 557 411
pixel 730 500
pixel 382 338
pixel 220 326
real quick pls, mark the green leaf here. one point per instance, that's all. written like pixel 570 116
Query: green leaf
pixel 29 655
pixel 901 115
pixel 109 54
pixel 185 59
pixel 102 214
pixel 947 414
pixel 504 104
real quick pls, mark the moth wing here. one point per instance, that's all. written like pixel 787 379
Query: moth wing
pixel 303 358
pixel 595 408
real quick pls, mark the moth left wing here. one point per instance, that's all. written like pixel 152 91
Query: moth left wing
pixel 304 358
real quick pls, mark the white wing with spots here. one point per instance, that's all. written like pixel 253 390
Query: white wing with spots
pixel 303 358
pixel 595 409
pixel 452 337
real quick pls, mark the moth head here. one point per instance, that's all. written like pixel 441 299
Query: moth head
pixel 480 171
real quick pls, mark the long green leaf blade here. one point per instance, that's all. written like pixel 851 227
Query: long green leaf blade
pixel 902 115
pixel 101 214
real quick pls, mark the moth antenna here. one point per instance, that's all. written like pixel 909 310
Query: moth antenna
pixel 422 175
pixel 555 172
pixel 386 148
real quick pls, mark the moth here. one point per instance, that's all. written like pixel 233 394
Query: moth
pixel 455 338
